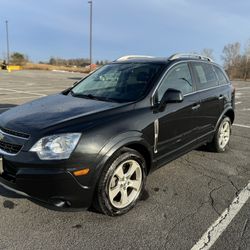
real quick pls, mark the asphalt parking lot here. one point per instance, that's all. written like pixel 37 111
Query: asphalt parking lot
pixel 181 202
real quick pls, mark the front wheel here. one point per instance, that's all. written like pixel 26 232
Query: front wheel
pixel 121 183
pixel 222 136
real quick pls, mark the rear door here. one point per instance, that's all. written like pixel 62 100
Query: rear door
pixel 225 95
pixel 210 97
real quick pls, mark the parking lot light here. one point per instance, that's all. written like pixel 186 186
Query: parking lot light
pixel 90 33
pixel 7 41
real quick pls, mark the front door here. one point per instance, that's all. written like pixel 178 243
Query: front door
pixel 178 123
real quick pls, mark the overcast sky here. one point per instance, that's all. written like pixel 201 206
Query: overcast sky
pixel 60 28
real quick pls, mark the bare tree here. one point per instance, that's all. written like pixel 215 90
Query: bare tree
pixel 233 60
pixel 207 52
pixel 231 54
pixel 246 59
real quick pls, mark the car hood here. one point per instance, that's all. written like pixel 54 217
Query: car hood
pixel 50 111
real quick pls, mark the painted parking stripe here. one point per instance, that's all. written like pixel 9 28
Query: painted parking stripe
pixel 241 125
pixel 243 88
pixel 20 97
pixel 34 88
pixel 23 92
pixel 238 103
pixel 15 98
pixel 218 227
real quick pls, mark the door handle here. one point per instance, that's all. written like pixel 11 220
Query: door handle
pixel 196 106
pixel 221 97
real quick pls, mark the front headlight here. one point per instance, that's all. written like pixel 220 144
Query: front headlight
pixel 56 147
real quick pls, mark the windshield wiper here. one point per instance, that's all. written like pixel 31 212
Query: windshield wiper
pixel 89 96
pixel 92 97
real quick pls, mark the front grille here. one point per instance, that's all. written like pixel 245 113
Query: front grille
pixel 15 133
pixel 9 147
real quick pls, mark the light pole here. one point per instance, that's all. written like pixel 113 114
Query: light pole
pixel 90 33
pixel 246 71
pixel 7 40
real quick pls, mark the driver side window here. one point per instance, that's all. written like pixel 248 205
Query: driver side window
pixel 179 78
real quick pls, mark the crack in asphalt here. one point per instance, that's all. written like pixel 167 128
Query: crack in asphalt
pixel 212 199
pixel 244 169
pixel 234 186
pixel 214 159
pixel 191 165
pixel 219 222
pixel 212 203
pixel 209 183
pixel 242 233
pixel 224 215
pixel 244 228
pixel 181 221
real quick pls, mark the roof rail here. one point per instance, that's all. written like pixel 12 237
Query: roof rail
pixel 189 55
pixel 124 58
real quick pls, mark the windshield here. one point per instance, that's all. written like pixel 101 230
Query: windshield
pixel 123 82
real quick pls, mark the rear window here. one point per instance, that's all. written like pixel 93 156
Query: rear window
pixel 206 75
pixel 221 76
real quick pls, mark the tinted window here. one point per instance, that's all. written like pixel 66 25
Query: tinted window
pixel 123 82
pixel 179 78
pixel 206 75
pixel 222 78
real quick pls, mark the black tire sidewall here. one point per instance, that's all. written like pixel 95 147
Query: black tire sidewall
pixel 102 191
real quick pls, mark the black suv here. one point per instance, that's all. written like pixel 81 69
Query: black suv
pixel 95 143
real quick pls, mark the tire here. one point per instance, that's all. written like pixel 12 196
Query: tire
pixel 222 136
pixel 121 183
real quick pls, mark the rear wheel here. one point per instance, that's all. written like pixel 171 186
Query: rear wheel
pixel 121 184
pixel 222 136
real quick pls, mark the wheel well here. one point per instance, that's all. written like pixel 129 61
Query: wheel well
pixel 144 152
pixel 230 114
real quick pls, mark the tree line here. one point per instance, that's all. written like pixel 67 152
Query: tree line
pixel 21 59
pixel 76 62
pixel 236 60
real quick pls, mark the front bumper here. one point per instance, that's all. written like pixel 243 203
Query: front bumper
pixel 46 184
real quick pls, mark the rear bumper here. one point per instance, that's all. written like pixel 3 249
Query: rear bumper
pixel 48 185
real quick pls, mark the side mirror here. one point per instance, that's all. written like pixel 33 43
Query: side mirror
pixel 171 96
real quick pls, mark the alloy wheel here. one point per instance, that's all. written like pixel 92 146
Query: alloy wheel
pixel 224 134
pixel 125 184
